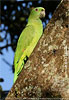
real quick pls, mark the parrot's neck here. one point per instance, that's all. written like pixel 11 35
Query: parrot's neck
pixel 37 23
pixel 33 17
pixel 32 21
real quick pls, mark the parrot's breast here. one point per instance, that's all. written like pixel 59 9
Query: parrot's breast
pixel 38 26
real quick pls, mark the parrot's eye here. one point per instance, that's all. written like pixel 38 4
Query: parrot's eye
pixel 36 9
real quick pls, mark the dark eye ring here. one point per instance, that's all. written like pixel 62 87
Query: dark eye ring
pixel 36 9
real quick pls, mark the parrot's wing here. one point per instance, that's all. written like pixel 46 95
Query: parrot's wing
pixel 24 41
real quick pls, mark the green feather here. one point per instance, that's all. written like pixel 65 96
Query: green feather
pixel 28 40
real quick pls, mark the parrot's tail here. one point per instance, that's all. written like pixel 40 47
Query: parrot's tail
pixel 15 77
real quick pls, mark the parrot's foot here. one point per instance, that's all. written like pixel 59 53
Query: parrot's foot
pixel 26 58
pixel 22 65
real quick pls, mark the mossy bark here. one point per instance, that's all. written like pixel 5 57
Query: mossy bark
pixel 46 73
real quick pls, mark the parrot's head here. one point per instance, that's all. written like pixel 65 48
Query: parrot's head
pixel 38 12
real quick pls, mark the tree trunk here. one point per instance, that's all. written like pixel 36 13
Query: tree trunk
pixel 46 73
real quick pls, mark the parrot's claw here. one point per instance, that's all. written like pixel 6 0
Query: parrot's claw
pixel 24 61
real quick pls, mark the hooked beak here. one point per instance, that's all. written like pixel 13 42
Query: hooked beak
pixel 42 14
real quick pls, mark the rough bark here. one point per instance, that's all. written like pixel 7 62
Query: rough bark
pixel 46 73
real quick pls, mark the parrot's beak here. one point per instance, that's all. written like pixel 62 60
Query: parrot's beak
pixel 42 14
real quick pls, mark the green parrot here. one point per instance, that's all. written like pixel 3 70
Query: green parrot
pixel 28 39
